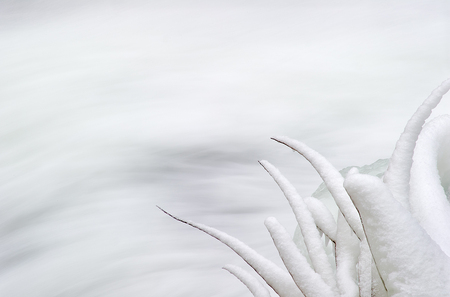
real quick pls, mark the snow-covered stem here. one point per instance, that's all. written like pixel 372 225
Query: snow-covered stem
pixel 397 175
pixel 307 225
pixel 332 179
pixel 408 259
pixel 275 277
pixel 322 217
pixel 347 250
pixel 309 282
pixel 391 237
pixel 253 285
pixel 433 213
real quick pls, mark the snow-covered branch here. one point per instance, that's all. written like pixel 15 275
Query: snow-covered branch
pixel 391 236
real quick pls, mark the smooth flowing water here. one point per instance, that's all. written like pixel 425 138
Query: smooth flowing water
pixel 109 108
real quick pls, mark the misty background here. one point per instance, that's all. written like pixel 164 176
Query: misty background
pixel 109 108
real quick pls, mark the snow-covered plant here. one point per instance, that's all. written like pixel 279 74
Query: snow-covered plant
pixel 387 235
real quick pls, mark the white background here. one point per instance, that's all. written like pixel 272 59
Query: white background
pixel 108 108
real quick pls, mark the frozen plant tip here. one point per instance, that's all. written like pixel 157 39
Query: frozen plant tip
pixel 388 230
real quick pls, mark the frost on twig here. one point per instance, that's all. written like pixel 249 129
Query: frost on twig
pixel 347 251
pixel 390 234
pixel 253 285
pixel 322 217
pixel 307 225
pixel 332 179
pixel 309 282
pixel 275 277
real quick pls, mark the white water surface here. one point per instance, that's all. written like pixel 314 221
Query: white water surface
pixel 109 108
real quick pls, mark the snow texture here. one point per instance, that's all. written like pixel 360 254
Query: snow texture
pixel 255 287
pixel 387 234
pixel 398 173
pixel 332 179
pixel 307 225
pixel 309 282
pixel 365 269
pixel 429 203
pixel 409 261
pixel 347 251
pixel 274 276
pixel 322 217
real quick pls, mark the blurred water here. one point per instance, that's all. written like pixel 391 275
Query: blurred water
pixel 109 108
